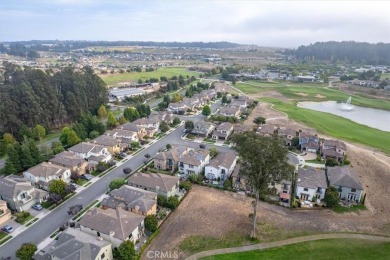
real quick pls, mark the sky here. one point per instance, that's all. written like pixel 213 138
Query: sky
pixel 264 23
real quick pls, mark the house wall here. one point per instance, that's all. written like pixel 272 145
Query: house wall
pixel 159 192
pixel 310 192
pixel 186 168
pixel 160 164
pixel 6 215
pixel 107 251
pixel 345 191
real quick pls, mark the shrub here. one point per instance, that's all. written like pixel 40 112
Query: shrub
pixel 228 184
pixel 187 185
pixel 331 197
pixel 151 223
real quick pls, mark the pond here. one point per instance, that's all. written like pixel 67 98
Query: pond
pixel 375 118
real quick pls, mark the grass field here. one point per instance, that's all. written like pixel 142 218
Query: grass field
pixel 135 76
pixel 304 92
pixel 385 76
pixel 335 126
pixel 319 250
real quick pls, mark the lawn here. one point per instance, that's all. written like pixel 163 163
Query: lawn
pixel 385 76
pixel 341 209
pixel 320 249
pixel 335 126
pixel 135 76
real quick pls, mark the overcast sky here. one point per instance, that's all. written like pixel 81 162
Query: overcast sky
pixel 265 23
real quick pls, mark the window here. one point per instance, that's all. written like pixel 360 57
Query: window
pixel 306 189
pixel 102 256
pixel 190 166
pixel 98 234
pixel 353 190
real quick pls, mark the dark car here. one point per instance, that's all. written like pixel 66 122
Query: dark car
pixel 127 170
pixel 202 146
pixel 147 155
pixel 37 207
pixel 8 229
pixel 87 177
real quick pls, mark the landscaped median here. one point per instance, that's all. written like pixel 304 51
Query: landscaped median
pixel 4 238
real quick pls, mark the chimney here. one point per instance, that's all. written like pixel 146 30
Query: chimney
pixel 136 208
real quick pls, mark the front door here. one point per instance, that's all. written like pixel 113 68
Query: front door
pixel 351 196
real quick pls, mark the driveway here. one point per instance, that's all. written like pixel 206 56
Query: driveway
pixel 11 223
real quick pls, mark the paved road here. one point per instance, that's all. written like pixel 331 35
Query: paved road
pixel 290 241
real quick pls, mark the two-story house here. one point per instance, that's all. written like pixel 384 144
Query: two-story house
pixel 167 161
pixel 151 125
pixel 282 189
pixel 309 142
pixel 193 162
pixel 346 180
pixel 233 111
pixel 178 108
pixel 113 225
pixel 122 133
pixel 141 131
pixel 132 199
pixel 5 213
pixel 221 167
pixel 334 149
pixel 162 184
pixel 223 131
pixel 19 194
pixel 70 161
pixel 203 128
pixel 311 183
pixel 287 135
pixel 266 130
pixel 111 143
pixel 91 152
pixel 42 174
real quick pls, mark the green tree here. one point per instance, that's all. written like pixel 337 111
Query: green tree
pixel 134 145
pixel 131 114
pixel 213 152
pixel 93 134
pixel 111 120
pixel 122 120
pixel 8 138
pixel 34 151
pixel 164 127
pixel 151 223
pixel 126 250
pixel 57 147
pixel 189 125
pixel 330 162
pixel 26 251
pixel 9 168
pixel 331 197
pixel 206 111
pixel 224 99
pixel 117 183
pixel 14 158
pixel 264 159
pixel 64 135
pixel 173 202
pixel 26 157
pixel 295 141
pixel 39 132
pixel 168 146
pixel 58 187
pixel 176 121
pixel 259 120
pixel 72 138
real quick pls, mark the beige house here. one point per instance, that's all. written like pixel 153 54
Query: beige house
pixel 151 125
pixel 223 131
pixel 162 184
pixel 141 131
pixel 70 161
pixel 42 174
pixel 167 161
pixel 335 149
pixel 109 142
pixel 5 213
pixel 132 199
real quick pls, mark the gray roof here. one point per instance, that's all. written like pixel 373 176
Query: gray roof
pixel 85 148
pixel 125 92
pixel 172 154
pixel 13 185
pixel 119 221
pixel 73 244
pixel 335 143
pixel 120 133
pixel 226 126
pixel 130 127
pixel 105 140
pixel 344 176
pixel 229 110
pixel 194 157
pixel 146 121
pixel 223 159
pixel 266 129
pixel 152 180
pixel 242 128
pixel 68 159
pixel 202 127
pixel 131 197
pixel 46 170
pixel 311 178
pixel 311 145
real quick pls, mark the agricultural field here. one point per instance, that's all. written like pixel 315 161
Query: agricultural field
pixel 112 79
pixel 321 249
pixel 334 125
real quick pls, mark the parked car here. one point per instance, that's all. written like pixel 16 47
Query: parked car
pixel 87 177
pixel 147 155
pixel 202 146
pixel 127 170
pixel 37 207
pixel 123 154
pixel 75 209
pixel 8 229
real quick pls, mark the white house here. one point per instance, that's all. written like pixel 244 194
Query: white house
pixel 42 174
pixel 193 162
pixel 223 131
pixel 85 150
pixel 122 133
pixel 311 183
pixel 347 181
pixel 221 167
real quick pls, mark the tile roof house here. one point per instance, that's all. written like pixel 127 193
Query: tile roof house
pixel 71 161
pixel 223 131
pixel 221 167
pixel 266 130
pixel 311 183
pixel 19 193
pixel 113 225
pixel 111 143
pixel 72 244
pixel 242 128
pixel 203 128
pixel 162 184
pixel 167 161
pixel 335 149
pixel 86 150
pixel 42 174
pixel 151 125
pixel 122 133
pixel 5 213
pixel 178 107
pixel 287 134
pixel 193 162
pixel 230 110
pixel 309 142
pixel 132 199
pixel 141 131
pixel 347 181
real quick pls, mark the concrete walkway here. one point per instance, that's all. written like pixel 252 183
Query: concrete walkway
pixel 285 242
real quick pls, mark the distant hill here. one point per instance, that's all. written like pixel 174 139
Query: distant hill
pixel 348 51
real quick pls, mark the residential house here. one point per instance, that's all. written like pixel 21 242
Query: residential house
pixel 230 111
pixel 70 161
pixel 282 189
pixel 309 142
pixel 42 174
pixel 162 184
pixel 132 199
pixel 311 183
pixel 5 213
pixel 221 167
pixel 239 181
pixel 221 87
pixel 113 225
pixel 223 131
pixel 164 116
pixel 167 161
pixel 91 152
pixel 266 130
pixel 193 103
pixel 122 133
pixel 141 131
pixel 151 125
pixel 241 101
pixel 287 135
pixel 203 128
pixel 72 244
pixel 346 180
pixel 178 108
pixel 242 128
pixel 19 193
pixel 193 162
pixel 334 149
pixel 109 142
